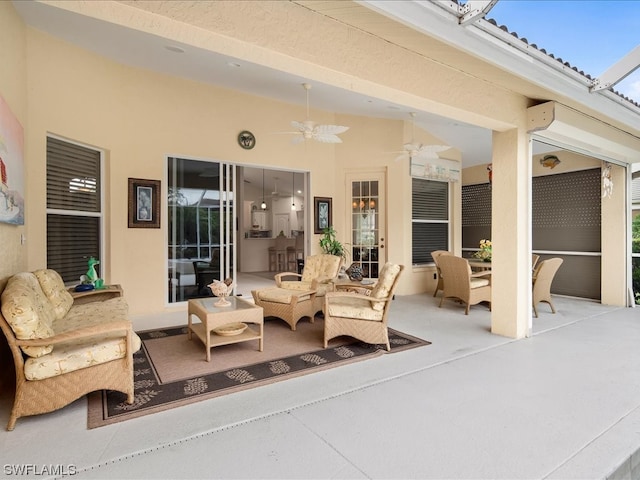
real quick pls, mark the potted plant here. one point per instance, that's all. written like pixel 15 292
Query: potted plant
pixel 485 251
pixel 330 244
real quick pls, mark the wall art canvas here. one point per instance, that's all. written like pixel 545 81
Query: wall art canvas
pixel 11 167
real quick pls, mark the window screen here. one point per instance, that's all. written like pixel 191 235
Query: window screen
pixel 565 218
pixel 476 214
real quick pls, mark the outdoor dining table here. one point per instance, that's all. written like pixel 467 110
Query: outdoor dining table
pixel 480 265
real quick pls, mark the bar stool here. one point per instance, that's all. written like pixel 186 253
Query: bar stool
pixel 295 252
pixel 278 255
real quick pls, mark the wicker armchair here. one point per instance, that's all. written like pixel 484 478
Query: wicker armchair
pixel 436 255
pixel 461 283
pixel 362 316
pixel 318 274
pixel 542 280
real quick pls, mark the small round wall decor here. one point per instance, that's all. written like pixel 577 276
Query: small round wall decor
pixel 246 140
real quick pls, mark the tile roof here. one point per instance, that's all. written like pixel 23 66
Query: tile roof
pixel 565 63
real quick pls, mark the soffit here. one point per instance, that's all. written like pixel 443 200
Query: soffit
pixel 395 31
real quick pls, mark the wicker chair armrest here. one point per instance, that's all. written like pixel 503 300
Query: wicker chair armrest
pixel 320 281
pixel 351 286
pixel 96 295
pixel 483 273
pixel 278 276
pixel 80 333
pixel 330 295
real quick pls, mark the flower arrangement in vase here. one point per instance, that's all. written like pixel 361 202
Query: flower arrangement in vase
pixel 222 290
pixel 484 253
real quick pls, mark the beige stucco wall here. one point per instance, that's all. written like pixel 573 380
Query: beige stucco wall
pixel 138 118
pixel 13 88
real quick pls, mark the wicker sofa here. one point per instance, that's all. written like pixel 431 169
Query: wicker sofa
pixel 63 349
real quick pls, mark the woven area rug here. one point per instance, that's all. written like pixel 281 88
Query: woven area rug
pixel 170 370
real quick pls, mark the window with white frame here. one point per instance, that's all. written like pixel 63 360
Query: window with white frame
pixel 429 219
pixel 74 208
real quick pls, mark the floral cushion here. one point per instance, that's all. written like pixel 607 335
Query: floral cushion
pixel 87 314
pixel 71 356
pixel 27 310
pixel 53 287
pixel 280 295
pixel 353 307
pixel 321 289
pixel 325 267
pixel 385 281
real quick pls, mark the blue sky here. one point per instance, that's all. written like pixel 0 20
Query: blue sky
pixel 589 34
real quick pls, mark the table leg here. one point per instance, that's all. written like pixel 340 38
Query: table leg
pixel 207 332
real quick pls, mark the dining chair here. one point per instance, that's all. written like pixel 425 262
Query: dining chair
pixel 534 261
pixel 435 255
pixel 205 274
pixel 461 283
pixel 542 280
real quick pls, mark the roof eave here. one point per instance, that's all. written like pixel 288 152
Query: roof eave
pixel 487 41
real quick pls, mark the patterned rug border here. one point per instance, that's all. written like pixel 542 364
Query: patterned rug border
pixel 108 407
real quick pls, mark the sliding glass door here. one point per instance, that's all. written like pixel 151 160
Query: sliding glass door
pixel 202 234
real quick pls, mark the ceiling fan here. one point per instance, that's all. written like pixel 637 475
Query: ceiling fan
pixel 275 194
pixel 418 150
pixel 309 130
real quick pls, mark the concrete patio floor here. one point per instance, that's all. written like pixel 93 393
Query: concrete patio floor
pixel 563 404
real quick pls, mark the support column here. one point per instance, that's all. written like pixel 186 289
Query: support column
pixel 614 262
pixel 511 234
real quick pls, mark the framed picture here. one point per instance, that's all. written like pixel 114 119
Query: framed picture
pixel 323 215
pixel 11 167
pixel 144 203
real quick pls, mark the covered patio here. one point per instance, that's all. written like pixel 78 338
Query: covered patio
pixel 471 405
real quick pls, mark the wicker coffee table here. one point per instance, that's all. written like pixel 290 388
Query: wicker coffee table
pixel 214 318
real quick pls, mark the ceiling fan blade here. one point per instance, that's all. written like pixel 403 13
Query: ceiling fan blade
pixel 430 151
pixel 330 129
pixel 433 148
pixel 326 138
pixel 410 147
pixel 302 126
